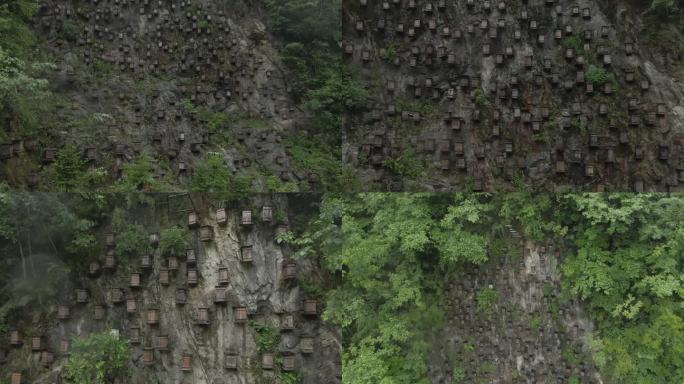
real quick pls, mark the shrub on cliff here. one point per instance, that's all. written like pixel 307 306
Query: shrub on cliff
pixel 173 241
pixel 214 177
pixel 99 359
pixel 133 241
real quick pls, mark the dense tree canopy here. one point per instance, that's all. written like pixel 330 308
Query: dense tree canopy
pixel 629 270
pixel 393 252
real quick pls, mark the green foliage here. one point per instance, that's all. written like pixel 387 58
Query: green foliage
pixel 119 220
pixel 572 42
pixel 480 98
pixel 390 53
pixel 289 377
pixel 339 94
pixel 99 359
pixel 599 76
pixel 536 322
pixel 267 336
pixel 667 8
pixel 568 355
pixel 17 80
pixel 214 177
pixel 70 31
pixel 486 299
pixel 394 252
pixel 628 270
pixel 16 36
pixel 70 173
pixel 306 20
pixel 458 375
pixel 133 241
pixel 173 241
pixel 308 154
pixel 102 67
pixel 407 165
pixel 139 176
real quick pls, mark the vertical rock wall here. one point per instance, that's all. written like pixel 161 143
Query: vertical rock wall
pixel 529 335
pixel 259 286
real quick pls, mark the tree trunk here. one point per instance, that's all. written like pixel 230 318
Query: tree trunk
pixel 21 253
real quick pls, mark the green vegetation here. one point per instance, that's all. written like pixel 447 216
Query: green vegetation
pixel 140 176
pixel 215 121
pixel 173 241
pixel 599 76
pixel 41 241
pixel 214 177
pixel 628 271
pixel 99 359
pixel 289 378
pixel 308 154
pixel 321 82
pixel 392 254
pixel 337 95
pixel 393 251
pixel 306 20
pixel 480 98
pixel 21 82
pixel 390 53
pixel 572 42
pixel 458 375
pixel 16 36
pixel 406 165
pixel 267 336
pixel 134 241
pixel 669 8
pixel 486 299
pixel 70 172
pixel 70 31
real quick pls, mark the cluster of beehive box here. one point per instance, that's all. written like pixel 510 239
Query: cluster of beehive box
pixel 175 307
pixel 488 89
pixel 171 78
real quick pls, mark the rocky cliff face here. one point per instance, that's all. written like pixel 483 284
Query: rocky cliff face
pixel 555 93
pixel 175 79
pixel 191 318
pixel 528 335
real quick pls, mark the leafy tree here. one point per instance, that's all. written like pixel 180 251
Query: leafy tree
pixel 306 20
pixel 173 241
pixel 70 173
pixel 133 241
pixel 16 80
pixel 101 358
pixel 139 176
pixel 628 270
pixel 42 240
pixel 667 7
pixel 339 94
pixel 393 252
pixel 16 36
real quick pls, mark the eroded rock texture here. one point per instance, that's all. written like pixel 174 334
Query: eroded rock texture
pixel 188 317
pixel 484 93
pixel 175 79
pixel 528 335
